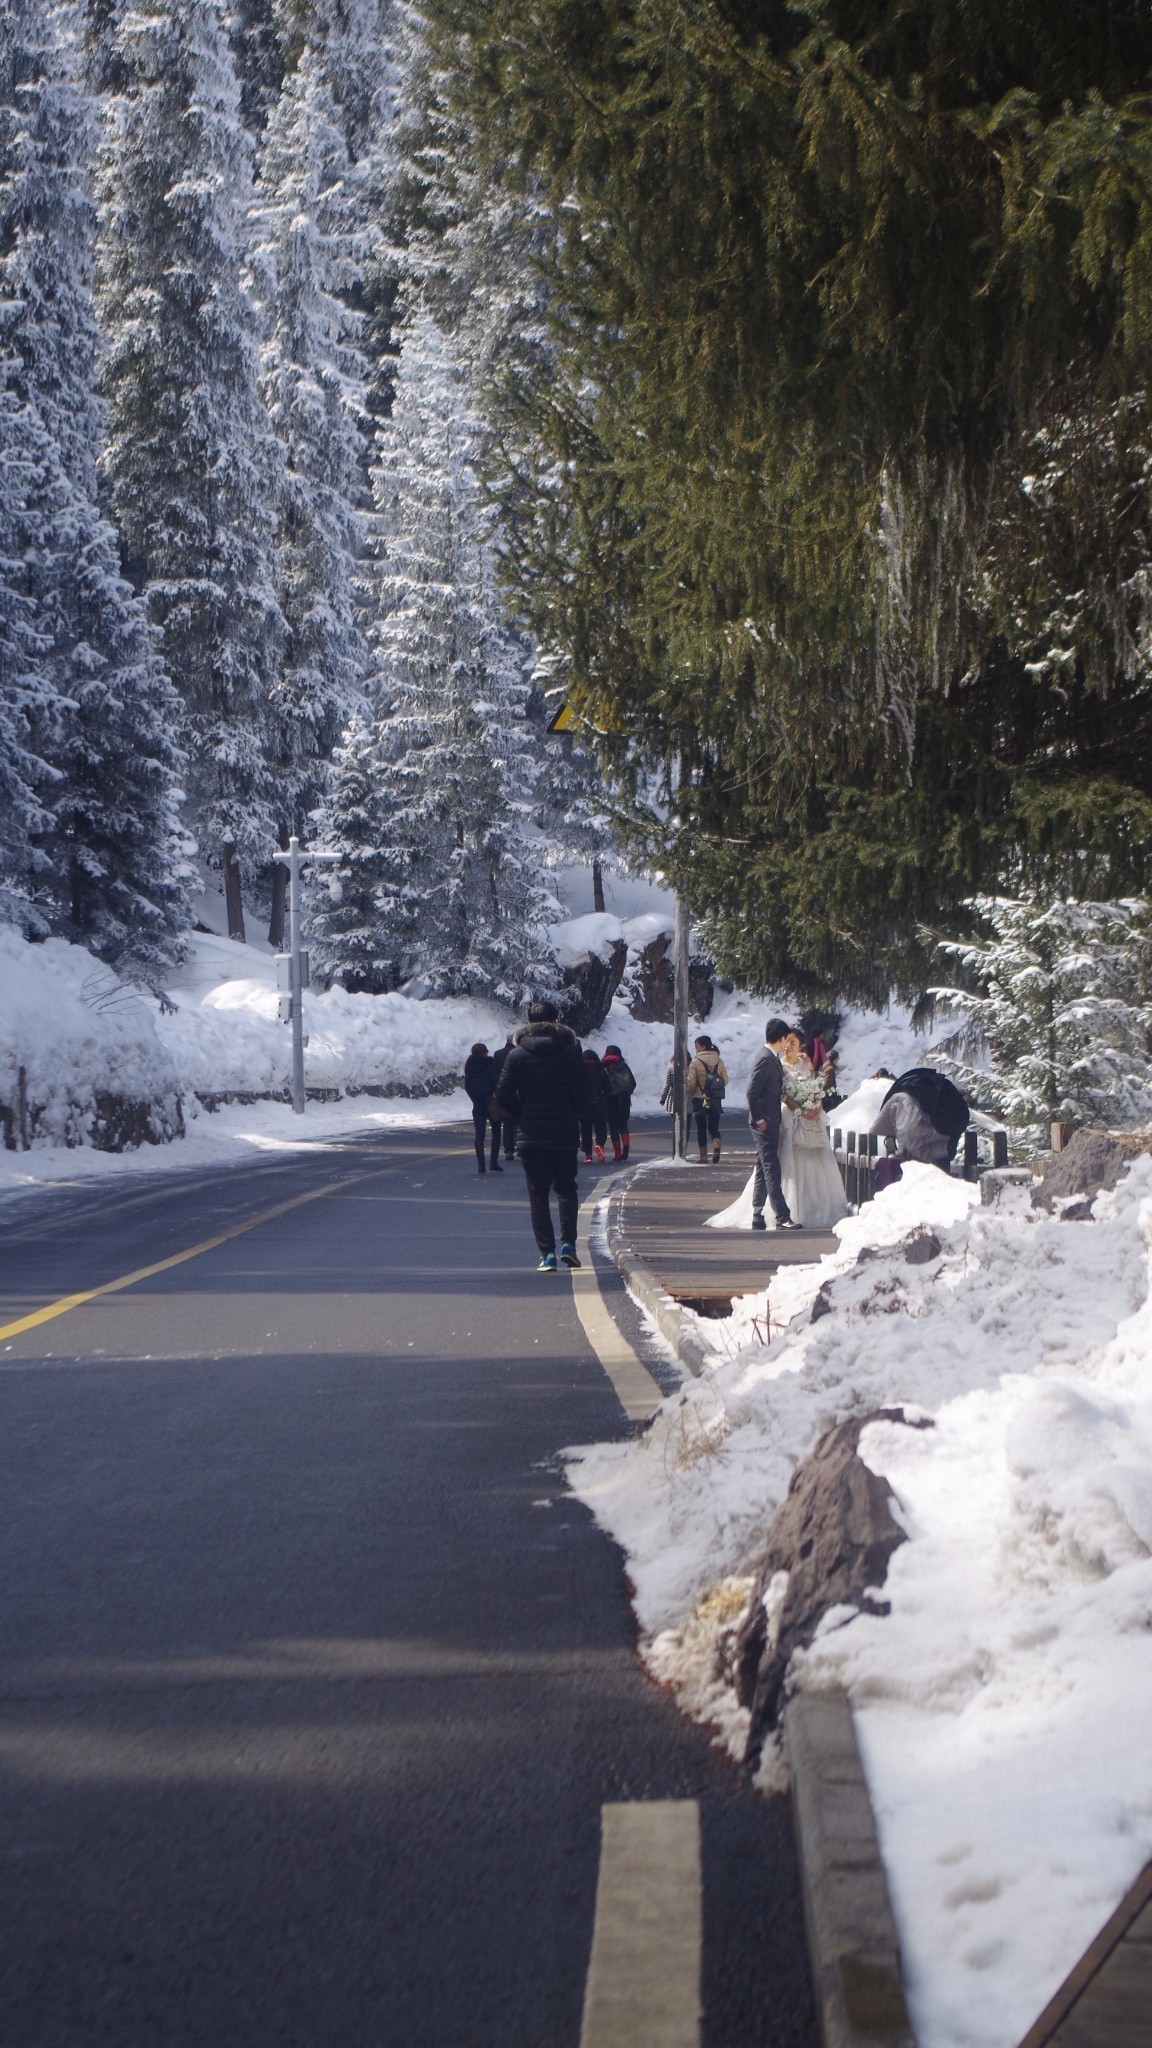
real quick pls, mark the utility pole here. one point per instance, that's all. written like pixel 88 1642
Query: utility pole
pixel 680 1032
pixel 292 967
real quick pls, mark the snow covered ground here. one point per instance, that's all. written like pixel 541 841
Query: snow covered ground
pixel 75 1030
pixel 1002 1705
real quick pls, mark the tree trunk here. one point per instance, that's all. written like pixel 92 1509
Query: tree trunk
pixel 597 883
pixel 233 898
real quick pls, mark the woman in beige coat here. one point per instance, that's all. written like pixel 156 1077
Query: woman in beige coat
pixel 707 1080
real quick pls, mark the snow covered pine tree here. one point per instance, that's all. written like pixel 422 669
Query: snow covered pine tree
pixel 102 860
pixel 193 467
pixel 1061 996
pixel 459 899
pixel 312 378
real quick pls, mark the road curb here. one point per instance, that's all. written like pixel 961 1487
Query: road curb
pixel 853 1946
pixel 667 1314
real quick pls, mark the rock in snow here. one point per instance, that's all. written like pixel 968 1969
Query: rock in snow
pixel 829 1543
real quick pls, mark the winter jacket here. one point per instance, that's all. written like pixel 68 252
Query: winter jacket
pixel 913 1133
pixel 619 1076
pixel 597 1082
pixel 703 1064
pixel 765 1090
pixel 479 1077
pixel 544 1085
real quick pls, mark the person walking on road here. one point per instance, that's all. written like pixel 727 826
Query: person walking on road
pixel 480 1085
pixel 594 1122
pixel 621 1088
pixel 707 1081
pixel 508 1123
pixel 544 1085
pixel 765 1108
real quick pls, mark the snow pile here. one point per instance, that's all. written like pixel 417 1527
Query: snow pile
pixel 1002 1704
pixel 593 937
pixel 226 1036
pixel 94 1071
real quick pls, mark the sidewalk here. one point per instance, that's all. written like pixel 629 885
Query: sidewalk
pixel 658 1219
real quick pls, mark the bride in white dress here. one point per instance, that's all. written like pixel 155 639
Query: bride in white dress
pixel 809 1174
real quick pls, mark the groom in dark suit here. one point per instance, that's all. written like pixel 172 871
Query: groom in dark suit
pixel 765 1102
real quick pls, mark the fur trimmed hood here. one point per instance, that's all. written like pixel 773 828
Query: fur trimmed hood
pixel 546 1038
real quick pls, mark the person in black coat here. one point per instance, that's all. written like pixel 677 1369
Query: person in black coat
pixel 480 1085
pixel 594 1123
pixel 544 1086
pixel 508 1123
pixel 765 1107
pixel 621 1088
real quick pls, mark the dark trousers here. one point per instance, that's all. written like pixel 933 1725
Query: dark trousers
pixel 508 1132
pixel 596 1123
pixel 707 1121
pixel 480 1121
pixel 547 1167
pixel 619 1115
pixel 766 1178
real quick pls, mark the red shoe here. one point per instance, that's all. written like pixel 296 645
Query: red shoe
pixel 616 1151
pixel 587 1159
pixel 600 1155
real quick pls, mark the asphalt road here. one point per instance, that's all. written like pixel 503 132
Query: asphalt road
pixel 313 1676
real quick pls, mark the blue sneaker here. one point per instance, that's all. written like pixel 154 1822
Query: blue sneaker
pixel 568 1254
pixel 547 1263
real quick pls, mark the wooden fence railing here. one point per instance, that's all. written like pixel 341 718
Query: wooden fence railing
pixel 857 1154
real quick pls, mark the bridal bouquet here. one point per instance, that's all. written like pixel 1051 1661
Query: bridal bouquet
pixel 807 1092
pixel 804 1089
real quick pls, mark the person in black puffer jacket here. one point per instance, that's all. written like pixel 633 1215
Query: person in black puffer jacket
pixel 543 1085
pixel 594 1122
pixel 480 1083
pixel 508 1131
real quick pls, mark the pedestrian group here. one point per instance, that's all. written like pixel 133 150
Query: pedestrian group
pixel 547 1100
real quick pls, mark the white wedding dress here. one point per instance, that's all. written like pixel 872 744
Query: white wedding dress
pixel 809 1177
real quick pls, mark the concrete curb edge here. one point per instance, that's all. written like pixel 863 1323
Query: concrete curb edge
pixel 667 1314
pixel 853 1946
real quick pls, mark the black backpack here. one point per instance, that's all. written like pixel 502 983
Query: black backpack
pixel 713 1088
pixel 621 1079
pixel 938 1097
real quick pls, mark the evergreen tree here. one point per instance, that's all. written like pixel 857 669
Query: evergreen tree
pixel 1061 997
pixel 459 899
pixel 108 843
pixel 193 469
pixel 478 245
pixel 312 379
pixel 27 712
pixel 816 275
pixel 257 39
pixel 346 933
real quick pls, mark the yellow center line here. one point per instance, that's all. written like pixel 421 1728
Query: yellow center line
pixel 70 1301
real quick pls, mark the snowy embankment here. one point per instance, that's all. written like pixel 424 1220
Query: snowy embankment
pixel 92 1048
pixel 1002 1703
pixel 80 1060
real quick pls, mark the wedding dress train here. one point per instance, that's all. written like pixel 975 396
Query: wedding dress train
pixel 809 1177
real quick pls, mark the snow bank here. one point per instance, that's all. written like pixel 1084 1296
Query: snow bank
pixel 226 1036
pixel 1002 1704
pixel 80 1060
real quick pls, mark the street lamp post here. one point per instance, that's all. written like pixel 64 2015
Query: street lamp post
pixel 295 961
pixel 680 1031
